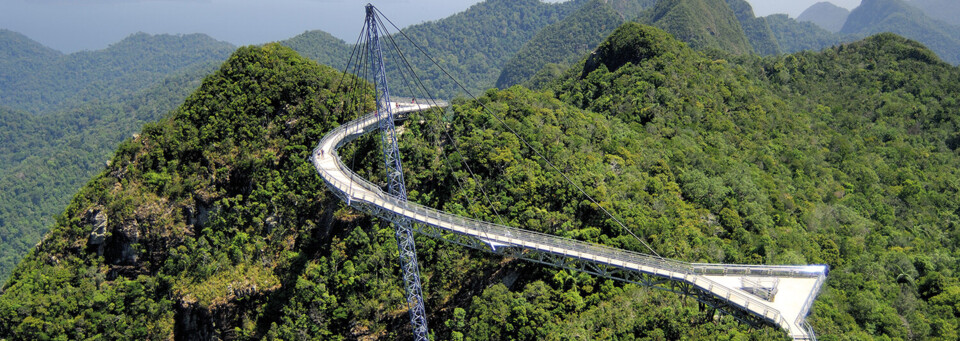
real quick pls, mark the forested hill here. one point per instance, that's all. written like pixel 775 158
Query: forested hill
pixel 20 55
pixel 45 158
pixel 757 29
pixel 212 222
pixel 795 36
pixel 566 41
pixel 945 10
pixel 701 23
pixel 37 80
pixel 826 15
pixel 845 157
pixel 64 114
pixel 698 22
pixel 322 47
pixel 896 16
pixel 472 45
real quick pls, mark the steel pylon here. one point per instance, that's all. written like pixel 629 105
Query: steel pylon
pixel 395 182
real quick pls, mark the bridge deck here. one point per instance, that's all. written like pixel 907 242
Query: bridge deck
pixel 798 285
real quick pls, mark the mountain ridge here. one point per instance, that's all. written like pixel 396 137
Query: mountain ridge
pixel 127 65
pixel 896 16
pixel 826 15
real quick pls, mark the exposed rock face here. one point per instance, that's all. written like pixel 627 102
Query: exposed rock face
pixel 97 220
pixel 193 322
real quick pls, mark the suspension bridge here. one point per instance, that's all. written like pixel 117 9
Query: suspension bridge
pixel 775 295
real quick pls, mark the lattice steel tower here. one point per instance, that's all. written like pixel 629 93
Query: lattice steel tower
pixel 396 187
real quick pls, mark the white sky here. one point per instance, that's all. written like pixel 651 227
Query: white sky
pixel 72 25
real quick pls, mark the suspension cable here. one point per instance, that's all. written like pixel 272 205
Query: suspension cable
pixel 424 91
pixel 514 132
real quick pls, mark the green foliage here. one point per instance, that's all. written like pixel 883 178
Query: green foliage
pixel 704 24
pixel 472 45
pixel 36 80
pixel 566 41
pixel 844 157
pixel 45 159
pixel 215 215
pixel 896 16
pixel 62 115
pixel 825 15
pixel 795 36
pixel 320 46
pixel 757 30
pixel 199 211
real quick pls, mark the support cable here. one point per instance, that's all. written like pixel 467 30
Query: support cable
pixel 514 132
pixel 445 131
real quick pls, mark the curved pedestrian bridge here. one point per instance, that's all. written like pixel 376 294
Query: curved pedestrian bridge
pixel 758 294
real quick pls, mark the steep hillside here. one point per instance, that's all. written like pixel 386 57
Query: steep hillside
pixel 845 157
pixel 146 231
pixel 44 159
pixel 322 47
pixel 945 10
pixel 21 56
pixel 826 15
pixel 213 224
pixel 704 24
pixel 564 42
pixel 757 29
pixel 472 45
pixel 896 16
pixel 795 36
pixel 558 46
pixel 130 65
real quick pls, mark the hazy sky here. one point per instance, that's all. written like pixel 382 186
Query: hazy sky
pixel 72 25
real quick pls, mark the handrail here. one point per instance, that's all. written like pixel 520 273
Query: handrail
pixel 358 189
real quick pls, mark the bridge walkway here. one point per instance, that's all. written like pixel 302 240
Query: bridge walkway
pixel 723 284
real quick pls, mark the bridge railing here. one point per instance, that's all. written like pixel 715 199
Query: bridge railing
pixel 510 236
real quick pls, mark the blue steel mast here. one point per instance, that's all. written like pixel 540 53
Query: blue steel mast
pixel 396 187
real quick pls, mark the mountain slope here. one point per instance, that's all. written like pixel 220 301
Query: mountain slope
pixel 704 24
pixel 46 158
pixel 795 36
pixel 845 157
pixel 826 15
pixel 125 67
pixel 563 42
pixel 896 16
pixel 212 223
pixel 756 28
pixel 322 47
pixel 945 10
pixel 159 205
pixel 472 45
pixel 21 56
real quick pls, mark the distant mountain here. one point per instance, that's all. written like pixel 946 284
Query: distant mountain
pixel 826 15
pixel 757 29
pixel 45 158
pixel 945 10
pixel 565 42
pixel 472 45
pixel 795 36
pixel 20 56
pixel 896 16
pixel 704 24
pixel 320 46
pixel 37 79
pixel 560 45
